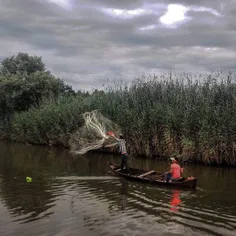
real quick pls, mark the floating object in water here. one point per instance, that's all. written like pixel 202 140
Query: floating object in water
pixel 28 179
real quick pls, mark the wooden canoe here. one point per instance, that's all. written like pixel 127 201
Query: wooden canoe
pixel 153 177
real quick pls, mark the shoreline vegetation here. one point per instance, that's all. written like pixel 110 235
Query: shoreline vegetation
pixel 191 116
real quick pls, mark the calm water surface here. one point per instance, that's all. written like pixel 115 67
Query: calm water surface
pixel 76 195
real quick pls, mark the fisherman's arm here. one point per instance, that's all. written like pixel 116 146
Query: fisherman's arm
pixel 111 145
pixel 113 136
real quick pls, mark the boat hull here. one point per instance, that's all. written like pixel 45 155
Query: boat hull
pixel 152 178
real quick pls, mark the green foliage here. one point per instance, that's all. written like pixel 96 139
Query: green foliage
pixel 22 63
pixel 188 116
pixel 24 83
pixel 163 116
pixel 52 124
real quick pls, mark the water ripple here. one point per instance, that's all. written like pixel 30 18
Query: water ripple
pixel 97 205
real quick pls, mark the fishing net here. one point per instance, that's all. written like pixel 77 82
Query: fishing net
pixel 93 133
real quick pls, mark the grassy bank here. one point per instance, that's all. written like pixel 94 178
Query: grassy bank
pixel 160 116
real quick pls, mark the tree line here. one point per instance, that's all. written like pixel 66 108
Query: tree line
pixel 191 117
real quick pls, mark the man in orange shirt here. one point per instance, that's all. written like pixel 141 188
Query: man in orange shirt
pixel 175 170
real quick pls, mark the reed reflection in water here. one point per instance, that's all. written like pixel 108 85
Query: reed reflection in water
pixel 78 196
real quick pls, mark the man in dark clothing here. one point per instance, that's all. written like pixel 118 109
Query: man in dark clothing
pixel 122 151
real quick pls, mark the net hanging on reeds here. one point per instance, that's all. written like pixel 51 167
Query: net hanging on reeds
pixel 93 133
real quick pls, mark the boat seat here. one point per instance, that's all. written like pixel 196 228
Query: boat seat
pixel 147 173
pixel 178 180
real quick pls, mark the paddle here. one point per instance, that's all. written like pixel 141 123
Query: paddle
pixel 158 176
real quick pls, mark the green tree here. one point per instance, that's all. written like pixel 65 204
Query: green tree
pixel 22 63
pixel 25 83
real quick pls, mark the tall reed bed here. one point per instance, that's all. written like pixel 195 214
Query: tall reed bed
pixel 189 116
pixel 52 124
pixel 186 115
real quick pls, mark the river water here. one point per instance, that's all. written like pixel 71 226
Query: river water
pixel 77 195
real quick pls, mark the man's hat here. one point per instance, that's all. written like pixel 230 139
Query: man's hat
pixel 174 159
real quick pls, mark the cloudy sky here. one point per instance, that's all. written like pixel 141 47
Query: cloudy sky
pixel 86 42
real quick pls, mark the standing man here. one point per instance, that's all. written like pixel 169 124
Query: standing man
pixel 122 151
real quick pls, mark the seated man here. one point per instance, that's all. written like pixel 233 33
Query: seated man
pixel 175 170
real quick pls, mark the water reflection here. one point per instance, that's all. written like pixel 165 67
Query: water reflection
pixel 124 193
pixel 77 194
pixel 175 200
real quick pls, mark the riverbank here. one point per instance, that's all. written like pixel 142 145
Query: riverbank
pixel 159 116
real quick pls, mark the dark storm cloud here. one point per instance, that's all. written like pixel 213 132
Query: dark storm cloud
pixel 87 41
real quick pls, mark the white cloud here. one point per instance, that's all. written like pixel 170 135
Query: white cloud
pixel 66 4
pixel 148 27
pixel 205 9
pixel 175 13
pixel 124 13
